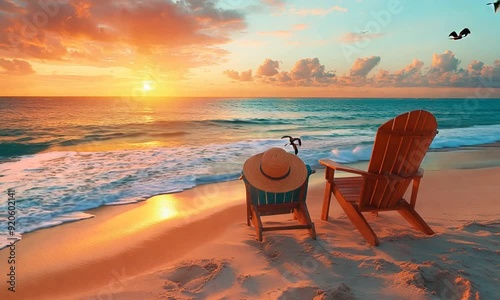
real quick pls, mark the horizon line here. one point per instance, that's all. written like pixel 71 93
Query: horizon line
pixel 241 97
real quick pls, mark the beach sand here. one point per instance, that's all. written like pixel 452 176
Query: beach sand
pixel 196 245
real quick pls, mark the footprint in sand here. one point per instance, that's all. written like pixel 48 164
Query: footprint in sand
pixel 294 293
pixel 192 276
pixel 285 248
pixel 271 247
pixel 448 285
pixel 474 226
pixel 379 265
pixel 342 292
pixel 432 277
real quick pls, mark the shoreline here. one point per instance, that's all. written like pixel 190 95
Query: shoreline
pixel 471 157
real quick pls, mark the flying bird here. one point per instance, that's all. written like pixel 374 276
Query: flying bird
pixel 454 36
pixel 292 142
pixel 496 5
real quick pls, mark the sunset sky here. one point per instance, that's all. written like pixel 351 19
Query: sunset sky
pixel 245 48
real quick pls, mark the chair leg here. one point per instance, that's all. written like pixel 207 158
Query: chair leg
pixel 328 194
pixel 359 221
pixel 411 215
pixel 302 215
pixel 312 231
pixel 249 214
pixel 257 223
pixel 249 211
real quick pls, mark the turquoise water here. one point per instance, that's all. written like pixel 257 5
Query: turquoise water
pixel 67 155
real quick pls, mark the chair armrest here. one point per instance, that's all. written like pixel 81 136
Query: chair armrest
pixel 336 166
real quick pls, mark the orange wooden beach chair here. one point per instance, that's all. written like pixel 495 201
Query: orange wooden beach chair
pixel 399 148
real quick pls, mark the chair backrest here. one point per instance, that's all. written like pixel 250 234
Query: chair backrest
pixel 260 197
pixel 399 148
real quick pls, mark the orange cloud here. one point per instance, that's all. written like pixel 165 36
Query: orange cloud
pixel 268 68
pixel 243 76
pixel 275 33
pixel 300 26
pixel 445 62
pixel 362 66
pixel 409 76
pixel 317 11
pixel 16 67
pixel 305 72
pixel 306 69
pixel 492 73
pixel 444 72
pixel 277 3
pixel 106 33
pixel 9 6
pixel 475 67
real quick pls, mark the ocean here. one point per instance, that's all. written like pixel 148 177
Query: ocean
pixel 64 156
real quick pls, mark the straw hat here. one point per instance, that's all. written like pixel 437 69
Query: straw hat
pixel 275 171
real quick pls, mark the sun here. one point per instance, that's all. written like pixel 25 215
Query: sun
pixel 146 86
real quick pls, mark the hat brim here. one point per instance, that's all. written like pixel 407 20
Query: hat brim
pixel 295 179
